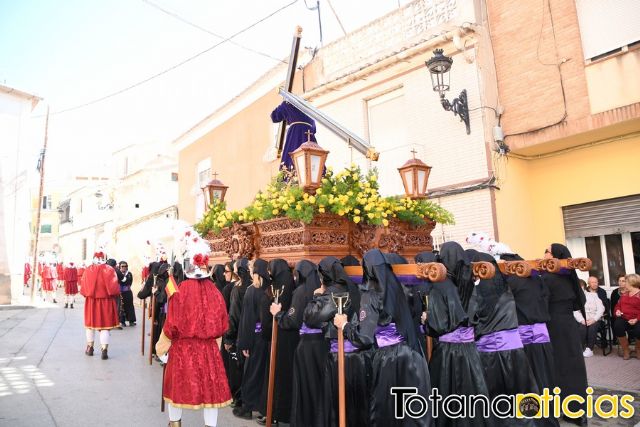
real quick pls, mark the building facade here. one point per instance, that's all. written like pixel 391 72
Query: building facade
pixel 567 77
pixel 374 83
pixel 17 164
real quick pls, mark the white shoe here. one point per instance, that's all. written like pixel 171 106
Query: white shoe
pixel 587 352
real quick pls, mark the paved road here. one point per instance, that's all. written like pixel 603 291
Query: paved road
pixel 46 380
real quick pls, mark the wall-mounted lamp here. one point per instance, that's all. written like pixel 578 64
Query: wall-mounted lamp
pixel 439 67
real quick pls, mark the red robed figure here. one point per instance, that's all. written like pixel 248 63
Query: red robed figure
pixel 195 377
pixel 48 276
pixel 99 286
pixel 70 280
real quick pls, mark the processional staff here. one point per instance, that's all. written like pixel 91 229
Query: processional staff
pixel 153 318
pixel 272 357
pixel 341 301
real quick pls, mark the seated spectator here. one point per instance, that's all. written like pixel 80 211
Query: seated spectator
pixel 594 309
pixel 627 313
pixel 594 286
pixel 620 290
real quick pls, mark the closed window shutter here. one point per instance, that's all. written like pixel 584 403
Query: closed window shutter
pixel 607 25
pixel 611 216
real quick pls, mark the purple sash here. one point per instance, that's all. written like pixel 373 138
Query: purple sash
pixel 409 279
pixel 258 328
pixel 348 346
pixel 125 288
pixel 388 335
pixel 499 341
pixel 460 335
pixel 356 279
pixel 305 330
pixel 534 334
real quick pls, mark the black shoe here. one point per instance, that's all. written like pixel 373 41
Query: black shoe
pixel 89 351
pixel 241 413
pixel 71 305
pixel 54 301
pixel 66 306
pixel 234 403
pixel 104 356
pixel 262 420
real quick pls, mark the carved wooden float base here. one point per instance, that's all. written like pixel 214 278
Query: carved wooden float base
pixel 326 235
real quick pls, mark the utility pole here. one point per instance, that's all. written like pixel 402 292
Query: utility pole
pixel 40 191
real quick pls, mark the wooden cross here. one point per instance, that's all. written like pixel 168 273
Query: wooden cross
pixel 215 175
pixel 308 133
pixel 414 152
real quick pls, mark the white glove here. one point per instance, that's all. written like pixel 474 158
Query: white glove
pixel 164 358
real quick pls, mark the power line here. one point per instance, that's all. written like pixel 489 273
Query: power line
pixel 185 21
pixel 173 67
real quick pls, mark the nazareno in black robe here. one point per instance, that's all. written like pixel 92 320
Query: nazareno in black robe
pixel 398 361
pixel 159 270
pixel 357 359
pixel 565 297
pixel 311 352
pixel 250 338
pixel 531 295
pixel 493 310
pixel 236 291
pixel 455 367
pixel 281 278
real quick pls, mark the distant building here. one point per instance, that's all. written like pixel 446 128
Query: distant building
pixel 17 164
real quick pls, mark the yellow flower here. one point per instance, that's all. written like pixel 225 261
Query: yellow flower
pixel 275 211
pixel 341 212
pixel 319 191
pixel 321 210
pixel 312 199
pixel 240 218
pixel 356 219
pixel 356 211
pixel 354 176
pixel 370 215
pixel 298 207
pixel 374 178
pixel 325 180
pixel 385 222
pixel 349 193
pixel 384 214
pixel 285 207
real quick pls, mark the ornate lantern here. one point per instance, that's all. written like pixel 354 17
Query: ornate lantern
pixel 309 161
pixel 415 176
pixel 213 191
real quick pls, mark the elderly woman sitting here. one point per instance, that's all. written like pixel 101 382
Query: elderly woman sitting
pixel 627 313
pixel 594 309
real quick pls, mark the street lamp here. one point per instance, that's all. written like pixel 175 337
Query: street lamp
pixel 415 175
pixel 439 67
pixel 213 190
pixel 309 161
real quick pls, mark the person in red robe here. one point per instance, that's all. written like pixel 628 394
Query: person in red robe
pixel 60 274
pixel 197 316
pixel 100 288
pixel 27 273
pixel 70 284
pixel 48 282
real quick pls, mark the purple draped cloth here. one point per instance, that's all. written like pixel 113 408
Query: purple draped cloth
pixel 348 346
pixel 388 335
pixel 499 341
pixel 304 330
pixel 298 123
pixel 459 335
pixel 258 328
pixel 534 334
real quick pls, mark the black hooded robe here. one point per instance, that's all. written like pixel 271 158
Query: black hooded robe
pixel 250 338
pixel 398 362
pixel 281 278
pixel 357 359
pixel 531 295
pixel 455 364
pixel 159 270
pixel 311 352
pixel 505 363
pixel 570 373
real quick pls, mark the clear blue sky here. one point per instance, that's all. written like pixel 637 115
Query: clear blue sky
pixel 74 51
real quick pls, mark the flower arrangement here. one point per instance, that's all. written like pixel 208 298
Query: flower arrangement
pixel 348 193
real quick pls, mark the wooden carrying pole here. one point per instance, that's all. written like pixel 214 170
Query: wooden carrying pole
pixel 341 300
pixel 288 84
pixel 272 359
pixel 153 321
pixel 425 301
pixel 144 317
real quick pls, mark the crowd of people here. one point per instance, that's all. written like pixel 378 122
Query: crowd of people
pixel 506 335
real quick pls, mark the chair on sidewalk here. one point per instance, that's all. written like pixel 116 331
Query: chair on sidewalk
pixel 604 336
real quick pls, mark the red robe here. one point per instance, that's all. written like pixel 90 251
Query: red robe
pixel 27 273
pixel 48 278
pixel 100 287
pixel 60 272
pixel 70 281
pixel 195 377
